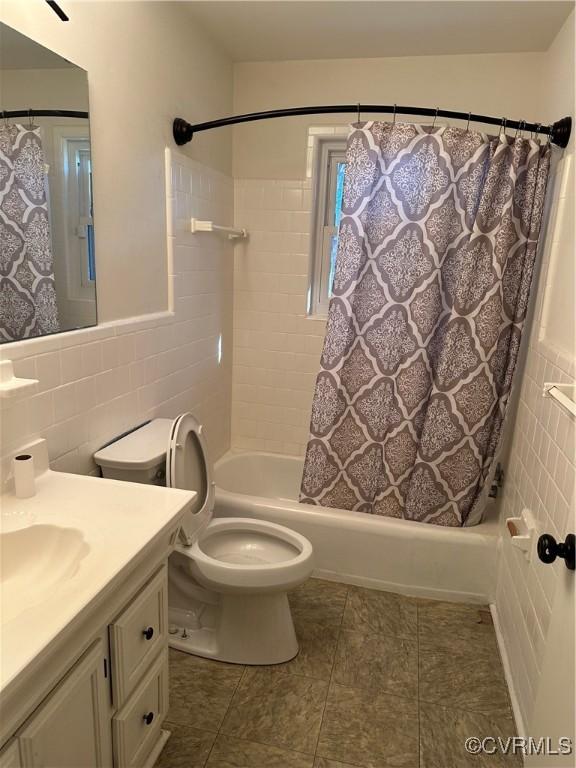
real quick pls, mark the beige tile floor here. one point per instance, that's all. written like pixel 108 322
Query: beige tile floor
pixel 381 681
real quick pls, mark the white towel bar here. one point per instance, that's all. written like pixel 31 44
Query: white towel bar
pixel 197 225
pixel 564 394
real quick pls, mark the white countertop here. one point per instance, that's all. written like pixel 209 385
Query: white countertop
pixel 114 523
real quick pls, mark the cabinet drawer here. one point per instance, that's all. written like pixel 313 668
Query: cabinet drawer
pixel 136 728
pixel 138 635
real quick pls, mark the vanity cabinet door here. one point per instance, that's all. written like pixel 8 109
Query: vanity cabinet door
pixel 71 728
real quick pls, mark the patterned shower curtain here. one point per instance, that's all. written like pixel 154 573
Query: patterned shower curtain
pixel 27 293
pixel 437 245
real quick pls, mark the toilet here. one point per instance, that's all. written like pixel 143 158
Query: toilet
pixel 228 577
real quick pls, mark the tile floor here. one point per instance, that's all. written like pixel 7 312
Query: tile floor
pixel 381 681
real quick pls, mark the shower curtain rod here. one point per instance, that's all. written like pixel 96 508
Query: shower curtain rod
pixel 5 114
pixel 559 132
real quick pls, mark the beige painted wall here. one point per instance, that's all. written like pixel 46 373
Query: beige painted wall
pixel 494 84
pixel 147 62
pixel 43 88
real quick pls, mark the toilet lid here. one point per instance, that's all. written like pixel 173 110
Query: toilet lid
pixel 187 464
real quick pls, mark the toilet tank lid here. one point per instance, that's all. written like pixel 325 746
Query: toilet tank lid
pixel 142 449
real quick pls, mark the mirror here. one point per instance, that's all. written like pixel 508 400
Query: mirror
pixel 47 258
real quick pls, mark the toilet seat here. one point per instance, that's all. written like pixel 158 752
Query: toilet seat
pixel 236 554
pixel 188 468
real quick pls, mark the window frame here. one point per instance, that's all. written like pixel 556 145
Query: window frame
pixel 79 224
pixel 329 152
pixel 75 285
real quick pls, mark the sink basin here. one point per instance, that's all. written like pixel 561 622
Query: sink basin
pixel 33 561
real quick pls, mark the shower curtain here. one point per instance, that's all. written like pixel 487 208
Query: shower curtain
pixel 436 251
pixel 27 292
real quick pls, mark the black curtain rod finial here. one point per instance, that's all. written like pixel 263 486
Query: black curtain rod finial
pixel 182 131
pixel 560 132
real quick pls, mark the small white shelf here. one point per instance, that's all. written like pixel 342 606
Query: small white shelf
pixel 198 225
pixel 564 394
pixel 522 531
pixel 10 385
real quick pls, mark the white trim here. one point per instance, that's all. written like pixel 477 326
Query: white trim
pixel 16 350
pixel 322 132
pixel 518 719
pixel 76 295
pixel 328 150
pixel 169 199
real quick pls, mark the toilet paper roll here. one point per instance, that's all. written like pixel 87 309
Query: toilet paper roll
pixel 24 479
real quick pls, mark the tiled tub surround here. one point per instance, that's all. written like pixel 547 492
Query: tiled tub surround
pixel 96 383
pixel 541 471
pixel 277 345
pixel 381 680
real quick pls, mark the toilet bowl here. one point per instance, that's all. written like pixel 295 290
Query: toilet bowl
pixel 228 578
pixel 238 555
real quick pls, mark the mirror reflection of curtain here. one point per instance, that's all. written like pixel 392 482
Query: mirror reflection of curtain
pixel 27 291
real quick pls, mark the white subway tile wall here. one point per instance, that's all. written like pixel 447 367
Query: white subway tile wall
pixel 276 345
pixel 540 476
pixel 96 383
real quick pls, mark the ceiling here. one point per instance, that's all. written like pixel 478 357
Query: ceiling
pixel 20 52
pixel 276 30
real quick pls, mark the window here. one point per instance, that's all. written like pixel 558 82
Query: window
pixel 328 179
pixel 80 227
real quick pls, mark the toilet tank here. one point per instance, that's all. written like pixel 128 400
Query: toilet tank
pixel 139 457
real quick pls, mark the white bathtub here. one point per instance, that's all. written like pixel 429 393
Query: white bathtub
pixel 357 548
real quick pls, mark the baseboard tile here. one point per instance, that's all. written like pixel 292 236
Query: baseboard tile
pixel 518 719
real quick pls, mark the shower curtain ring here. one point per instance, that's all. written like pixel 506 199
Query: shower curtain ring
pixel 468 123
pixel 394 120
pixel 435 116
pixel 358 115
pixel 537 132
pixel 30 123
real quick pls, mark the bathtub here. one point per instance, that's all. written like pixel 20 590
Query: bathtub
pixel 353 547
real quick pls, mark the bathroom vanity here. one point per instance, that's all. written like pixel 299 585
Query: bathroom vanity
pixel 83 626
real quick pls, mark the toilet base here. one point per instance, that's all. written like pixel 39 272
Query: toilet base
pixel 240 629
